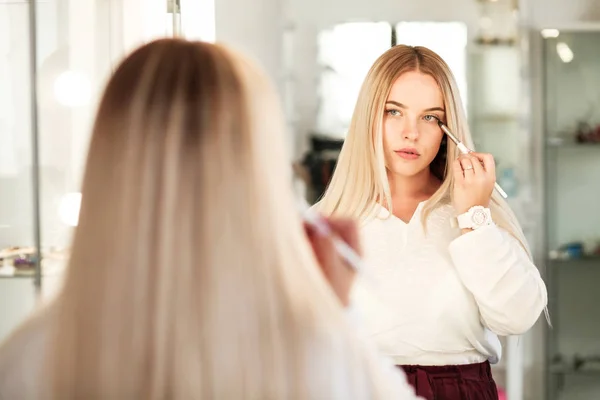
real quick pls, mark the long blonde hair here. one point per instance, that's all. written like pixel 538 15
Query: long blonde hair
pixel 360 179
pixel 190 275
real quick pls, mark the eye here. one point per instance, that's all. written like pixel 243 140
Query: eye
pixel 430 118
pixel 393 113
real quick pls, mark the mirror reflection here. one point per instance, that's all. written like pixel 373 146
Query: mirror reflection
pixel 451 272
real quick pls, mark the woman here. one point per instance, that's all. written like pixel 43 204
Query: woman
pixel 191 276
pixel 445 292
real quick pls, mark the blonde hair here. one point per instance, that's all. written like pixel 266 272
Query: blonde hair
pixel 360 180
pixel 190 274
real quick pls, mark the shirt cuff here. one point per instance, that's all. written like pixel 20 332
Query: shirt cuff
pixel 477 241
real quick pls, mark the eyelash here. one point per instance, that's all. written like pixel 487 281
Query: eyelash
pixel 432 118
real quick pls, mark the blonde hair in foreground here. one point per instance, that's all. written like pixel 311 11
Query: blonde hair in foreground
pixel 190 275
pixel 360 180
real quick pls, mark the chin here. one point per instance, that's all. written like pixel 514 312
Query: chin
pixel 407 171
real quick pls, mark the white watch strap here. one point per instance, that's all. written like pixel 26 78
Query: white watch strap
pixel 476 217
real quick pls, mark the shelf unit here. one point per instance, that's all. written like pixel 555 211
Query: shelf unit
pixel 571 87
pixel 53 67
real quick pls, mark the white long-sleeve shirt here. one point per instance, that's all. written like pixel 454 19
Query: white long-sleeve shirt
pixel 441 298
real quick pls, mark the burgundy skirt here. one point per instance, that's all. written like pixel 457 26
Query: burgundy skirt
pixel 452 382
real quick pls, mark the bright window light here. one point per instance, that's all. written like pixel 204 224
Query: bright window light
pixel 448 39
pixel 346 53
pixel 198 19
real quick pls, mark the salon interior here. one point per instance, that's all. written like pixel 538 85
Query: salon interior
pixel 528 72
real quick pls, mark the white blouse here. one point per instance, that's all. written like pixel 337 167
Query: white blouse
pixel 441 298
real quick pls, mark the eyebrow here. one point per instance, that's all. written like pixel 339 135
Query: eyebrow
pixel 403 106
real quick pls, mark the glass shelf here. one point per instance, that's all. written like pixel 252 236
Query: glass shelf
pixel 30 273
pixel 570 370
pixel 569 144
pixel 571 102
pixel 584 259
pixel 22 275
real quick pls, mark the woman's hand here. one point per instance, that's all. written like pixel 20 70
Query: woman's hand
pixel 475 176
pixel 337 272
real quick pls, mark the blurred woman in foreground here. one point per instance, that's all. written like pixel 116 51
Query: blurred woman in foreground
pixel 191 275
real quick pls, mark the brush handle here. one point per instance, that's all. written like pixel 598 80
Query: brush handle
pixel 462 148
pixel 500 190
pixel 465 150
pixel 344 250
pixel 348 254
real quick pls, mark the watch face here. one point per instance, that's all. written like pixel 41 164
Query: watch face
pixel 479 217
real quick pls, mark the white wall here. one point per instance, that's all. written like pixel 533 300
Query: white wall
pixel 545 13
pixel 255 28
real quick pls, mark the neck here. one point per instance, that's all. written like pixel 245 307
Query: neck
pixel 419 187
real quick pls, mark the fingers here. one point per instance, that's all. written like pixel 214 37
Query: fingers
pixel 471 166
pixel 321 239
pixel 339 276
pixel 474 175
pixel 322 245
pixel 487 160
pixel 467 165
pixel 477 163
pixel 459 176
pixel 347 230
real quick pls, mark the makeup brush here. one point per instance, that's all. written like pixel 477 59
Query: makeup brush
pixel 345 251
pixel 465 150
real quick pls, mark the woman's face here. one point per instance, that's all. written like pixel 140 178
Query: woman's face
pixel 411 134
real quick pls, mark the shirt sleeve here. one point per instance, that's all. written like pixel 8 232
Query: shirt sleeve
pixel 505 283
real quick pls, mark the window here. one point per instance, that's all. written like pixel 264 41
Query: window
pixel 347 51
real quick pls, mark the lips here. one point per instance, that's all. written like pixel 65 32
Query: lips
pixel 408 153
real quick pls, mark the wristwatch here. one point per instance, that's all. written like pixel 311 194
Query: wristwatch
pixel 475 218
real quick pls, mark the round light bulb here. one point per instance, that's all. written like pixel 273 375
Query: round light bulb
pixel 68 210
pixel 72 89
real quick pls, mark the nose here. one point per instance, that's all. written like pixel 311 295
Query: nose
pixel 409 129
